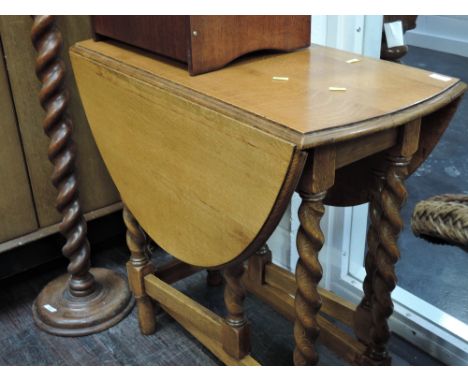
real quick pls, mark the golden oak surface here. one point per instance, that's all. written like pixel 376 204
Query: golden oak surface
pixel 206 164
pixel 301 109
pixel 201 199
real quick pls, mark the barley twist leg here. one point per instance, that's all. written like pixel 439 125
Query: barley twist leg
pixel 363 314
pixel 393 197
pixel 308 274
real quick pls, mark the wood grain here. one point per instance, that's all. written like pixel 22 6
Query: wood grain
pixel 166 35
pixel 138 267
pixel 175 270
pixel 206 43
pixel 96 188
pixel 16 205
pixel 236 333
pixel 332 304
pixel 41 233
pixel 302 109
pixel 279 299
pixel 54 99
pixel 206 326
pixel 353 150
pixel 317 177
pixel 185 171
pixel 390 199
pixel 347 192
pixel 238 35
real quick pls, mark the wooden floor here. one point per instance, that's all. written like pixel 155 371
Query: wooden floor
pixel 21 343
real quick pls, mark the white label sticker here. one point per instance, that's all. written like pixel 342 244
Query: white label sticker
pixel 440 77
pixel 50 308
pixel 394 34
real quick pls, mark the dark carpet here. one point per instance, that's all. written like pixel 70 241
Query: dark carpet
pixel 21 343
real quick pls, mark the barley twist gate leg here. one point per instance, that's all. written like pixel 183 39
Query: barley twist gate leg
pixel 393 196
pixel 363 314
pixel 388 198
pixel 318 176
pixel 308 274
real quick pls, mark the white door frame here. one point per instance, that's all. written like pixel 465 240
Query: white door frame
pixel 424 325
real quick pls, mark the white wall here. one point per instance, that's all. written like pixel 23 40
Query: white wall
pixel 443 33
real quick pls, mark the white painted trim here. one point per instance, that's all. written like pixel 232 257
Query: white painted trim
pixel 438 43
pixel 372 36
pixel 294 255
pixel 279 241
pixel 447 34
pixel 408 322
pixel 422 324
pixel 319 30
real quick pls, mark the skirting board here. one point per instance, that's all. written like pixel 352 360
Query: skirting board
pixel 439 43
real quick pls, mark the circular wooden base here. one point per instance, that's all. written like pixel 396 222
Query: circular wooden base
pixel 57 312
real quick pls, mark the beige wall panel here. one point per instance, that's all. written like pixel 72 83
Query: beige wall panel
pixel 96 187
pixel 17 216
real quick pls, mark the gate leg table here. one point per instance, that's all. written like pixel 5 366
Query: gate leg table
pixel 206 166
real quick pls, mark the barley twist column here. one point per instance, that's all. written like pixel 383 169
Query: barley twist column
pixel 363 315
pixel 308 274
pixel 393 196
pixel 54 99
pixel 70 305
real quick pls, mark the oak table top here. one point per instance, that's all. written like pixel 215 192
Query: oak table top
pixel 215 158
pixel 298 106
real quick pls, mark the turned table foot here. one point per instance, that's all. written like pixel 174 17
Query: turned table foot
pixel 236 334
pixel 137 268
